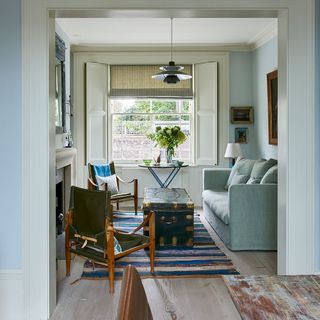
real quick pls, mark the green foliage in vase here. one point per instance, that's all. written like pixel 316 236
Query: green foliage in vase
pixel 168 137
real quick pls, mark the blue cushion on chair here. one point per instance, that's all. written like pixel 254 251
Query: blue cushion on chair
pixel 102 170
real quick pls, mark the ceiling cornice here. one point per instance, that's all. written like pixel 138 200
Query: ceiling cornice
pixel 268 33
pixel 162 48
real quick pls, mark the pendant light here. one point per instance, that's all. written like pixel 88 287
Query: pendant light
pixel 171 73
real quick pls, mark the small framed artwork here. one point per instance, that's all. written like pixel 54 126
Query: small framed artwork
pixel 241 114
pixel 241 135
pixel 272 86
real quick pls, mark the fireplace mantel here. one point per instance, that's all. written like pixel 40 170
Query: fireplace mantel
pixel 66 159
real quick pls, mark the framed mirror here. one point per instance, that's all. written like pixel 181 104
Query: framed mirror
pixel 60 90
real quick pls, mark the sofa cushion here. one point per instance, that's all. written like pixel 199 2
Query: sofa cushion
pixel 271 175
pixel 259 170
pixel 253 181
pixel 218 203
pixel 243 167
pixel 239 179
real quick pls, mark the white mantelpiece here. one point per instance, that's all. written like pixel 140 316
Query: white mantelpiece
pixel 66 158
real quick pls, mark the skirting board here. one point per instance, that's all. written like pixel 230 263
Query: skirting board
pixel 11 295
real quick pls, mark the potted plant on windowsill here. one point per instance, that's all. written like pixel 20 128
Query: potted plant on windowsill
pixel 168 138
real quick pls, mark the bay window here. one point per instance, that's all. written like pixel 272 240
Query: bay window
pixel 124 104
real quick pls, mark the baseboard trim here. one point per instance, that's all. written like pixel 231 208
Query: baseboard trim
pixel 11 292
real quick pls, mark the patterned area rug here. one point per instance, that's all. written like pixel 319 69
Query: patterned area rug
pixel 204 259
pixel 128 221
pixel 276 297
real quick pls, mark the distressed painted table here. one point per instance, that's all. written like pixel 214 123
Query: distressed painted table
pixel 276 297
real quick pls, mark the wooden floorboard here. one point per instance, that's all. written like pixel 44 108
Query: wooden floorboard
pixel 169 299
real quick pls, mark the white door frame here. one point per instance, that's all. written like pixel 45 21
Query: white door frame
pixel 296 249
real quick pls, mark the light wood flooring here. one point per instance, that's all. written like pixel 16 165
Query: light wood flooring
pixel 169 299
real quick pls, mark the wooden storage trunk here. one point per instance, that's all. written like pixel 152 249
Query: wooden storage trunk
pixel 174 212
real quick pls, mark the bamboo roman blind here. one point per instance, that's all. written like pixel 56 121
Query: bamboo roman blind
pixel 136 81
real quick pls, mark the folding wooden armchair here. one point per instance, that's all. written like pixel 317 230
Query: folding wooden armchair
pixel 133 303
pixel 109 170
pixel 90 234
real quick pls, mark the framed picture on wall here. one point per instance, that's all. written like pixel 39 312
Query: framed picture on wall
pixel 241 115
pixel 272 86
pixel 241 135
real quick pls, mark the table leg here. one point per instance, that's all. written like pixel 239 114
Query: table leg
pixel 156 177
pixel 171 176
pixel 168 180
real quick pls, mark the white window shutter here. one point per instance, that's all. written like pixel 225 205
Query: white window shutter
pixel 96 112
pixel 206 88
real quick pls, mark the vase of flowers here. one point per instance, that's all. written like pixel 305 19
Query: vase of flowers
pixel 168 138
pixel 169 154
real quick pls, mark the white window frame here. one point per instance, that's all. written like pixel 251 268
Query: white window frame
pixel 192 126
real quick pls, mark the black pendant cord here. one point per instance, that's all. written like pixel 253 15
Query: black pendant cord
pixel 171 37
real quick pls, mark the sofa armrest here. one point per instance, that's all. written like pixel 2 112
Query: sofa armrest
pixel 253 215
pixel 215 178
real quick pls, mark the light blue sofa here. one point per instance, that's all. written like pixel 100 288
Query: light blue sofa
pixel 243 215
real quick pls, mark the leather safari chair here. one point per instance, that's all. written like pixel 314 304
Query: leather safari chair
pixel 90 234
pixel 109 170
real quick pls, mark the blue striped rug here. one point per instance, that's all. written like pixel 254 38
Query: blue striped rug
pixel 204 259
pixel 128 221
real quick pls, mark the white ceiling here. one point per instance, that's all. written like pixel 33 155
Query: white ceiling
pixel 156 31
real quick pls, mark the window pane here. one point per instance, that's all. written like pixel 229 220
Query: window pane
pixel 129 106
pixel 164 107
pixel 129 141
pixel 167 120
pixel 186 106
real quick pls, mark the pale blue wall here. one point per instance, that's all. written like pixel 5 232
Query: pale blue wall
pixel 248 87
pixel 317 119
pixel 10 133
pixel 264 60
pixel 241 95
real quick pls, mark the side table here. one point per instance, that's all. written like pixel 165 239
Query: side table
pixel 166 182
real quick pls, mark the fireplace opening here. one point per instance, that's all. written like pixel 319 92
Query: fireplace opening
pixel 59 201
pixel 65 178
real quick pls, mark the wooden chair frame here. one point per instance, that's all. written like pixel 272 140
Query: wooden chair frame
pixel 115 199
pixel 109 250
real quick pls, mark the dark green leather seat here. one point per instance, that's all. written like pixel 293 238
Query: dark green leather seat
pixel 89 231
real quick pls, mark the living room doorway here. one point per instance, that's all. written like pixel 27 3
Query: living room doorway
pixel 283 260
